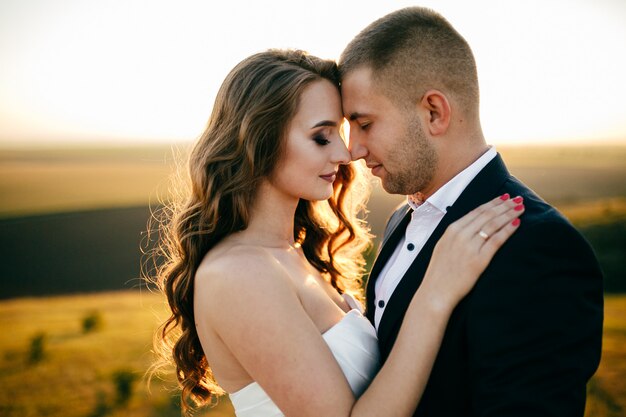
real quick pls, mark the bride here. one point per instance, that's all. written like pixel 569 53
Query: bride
pixel 264 259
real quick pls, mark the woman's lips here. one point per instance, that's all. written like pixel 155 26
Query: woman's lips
pixel 329 177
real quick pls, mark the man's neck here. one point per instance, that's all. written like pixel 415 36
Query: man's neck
pixel 454 161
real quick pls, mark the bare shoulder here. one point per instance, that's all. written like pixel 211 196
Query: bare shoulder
pixel 246 303
pixel 239 264
pixel 239 277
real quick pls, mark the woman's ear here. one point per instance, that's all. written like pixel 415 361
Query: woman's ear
pixel 437 108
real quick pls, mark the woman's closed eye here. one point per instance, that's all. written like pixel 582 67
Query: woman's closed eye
pixel 321 140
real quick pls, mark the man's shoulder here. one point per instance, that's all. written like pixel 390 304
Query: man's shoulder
pixel 544 232
pixel 545 253
pixel 537 210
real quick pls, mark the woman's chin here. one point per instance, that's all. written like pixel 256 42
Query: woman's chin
pixel 322 195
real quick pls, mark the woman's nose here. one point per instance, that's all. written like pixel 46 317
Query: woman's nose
pixel 341 154
pixel 357 151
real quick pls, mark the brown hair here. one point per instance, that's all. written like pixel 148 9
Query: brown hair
pixel 241 145
pixel 412 50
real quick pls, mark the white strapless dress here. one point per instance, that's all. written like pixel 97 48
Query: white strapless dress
pixel 354 344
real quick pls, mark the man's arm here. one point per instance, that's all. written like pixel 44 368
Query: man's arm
pixel 535 325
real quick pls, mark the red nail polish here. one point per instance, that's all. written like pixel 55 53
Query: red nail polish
pixel 518 200
pixel 504 197
pixel 515 222
pixel 519 208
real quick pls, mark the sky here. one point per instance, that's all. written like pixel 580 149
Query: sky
pixel 147 71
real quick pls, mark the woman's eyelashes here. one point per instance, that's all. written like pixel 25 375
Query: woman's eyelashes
pixel 321 140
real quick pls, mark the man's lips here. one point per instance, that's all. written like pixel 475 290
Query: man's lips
pixel 375 167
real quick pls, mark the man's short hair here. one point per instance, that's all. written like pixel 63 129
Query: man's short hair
pixel 412 50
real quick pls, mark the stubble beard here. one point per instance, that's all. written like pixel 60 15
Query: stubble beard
pixel 413 162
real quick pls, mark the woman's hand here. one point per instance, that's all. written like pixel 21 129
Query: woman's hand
pixel 467 247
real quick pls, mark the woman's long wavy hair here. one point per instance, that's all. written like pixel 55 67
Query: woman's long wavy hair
pixel 240 147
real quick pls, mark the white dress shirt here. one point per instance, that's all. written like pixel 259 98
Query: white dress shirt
pixel 424 221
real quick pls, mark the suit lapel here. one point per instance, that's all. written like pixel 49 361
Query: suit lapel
pixel 483 187
pixel 396 230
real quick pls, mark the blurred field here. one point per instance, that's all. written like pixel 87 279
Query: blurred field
pixel 63 253
pixel 60 180
pixel 74 377
pixel 56 180
pixel 607 389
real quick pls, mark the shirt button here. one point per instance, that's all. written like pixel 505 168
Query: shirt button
pixel 381 304
pixel 410 246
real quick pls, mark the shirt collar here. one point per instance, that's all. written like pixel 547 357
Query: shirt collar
pixel 445 196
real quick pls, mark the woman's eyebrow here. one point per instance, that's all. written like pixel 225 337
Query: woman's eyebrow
pixel 327 123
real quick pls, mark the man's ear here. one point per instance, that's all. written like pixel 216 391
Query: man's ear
pixel 438 112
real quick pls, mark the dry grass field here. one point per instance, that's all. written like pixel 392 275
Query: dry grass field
pixel 607 389
pixel 75 375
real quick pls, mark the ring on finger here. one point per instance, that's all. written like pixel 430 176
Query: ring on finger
pixel 483 234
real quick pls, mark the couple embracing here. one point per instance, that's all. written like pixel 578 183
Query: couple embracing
pixel 483 300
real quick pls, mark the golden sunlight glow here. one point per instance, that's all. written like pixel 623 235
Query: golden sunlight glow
pixel 144 71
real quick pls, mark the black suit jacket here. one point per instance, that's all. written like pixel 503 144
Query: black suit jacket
pixel 527 338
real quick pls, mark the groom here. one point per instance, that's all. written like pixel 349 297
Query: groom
pixel 527 339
